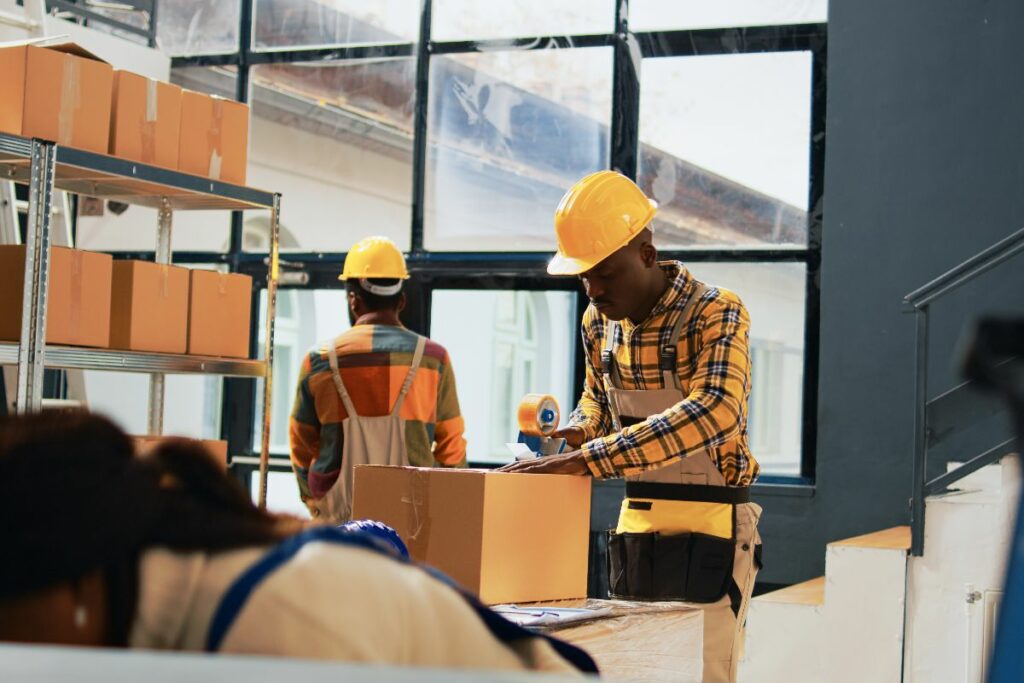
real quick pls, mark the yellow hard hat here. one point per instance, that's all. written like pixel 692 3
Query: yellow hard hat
pixel 374 257
pixel 599 215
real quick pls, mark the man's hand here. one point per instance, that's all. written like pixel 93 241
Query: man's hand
pixel 569 463
pixel 573 436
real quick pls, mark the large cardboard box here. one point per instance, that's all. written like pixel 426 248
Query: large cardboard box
pixel 218 450
pixel 506 537
pixel 145 120
pixel 214 138
pixel 218 314
pixel 60 93
pixel 78 296
pixel 149 307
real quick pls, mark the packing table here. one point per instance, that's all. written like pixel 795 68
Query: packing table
pixel 635 641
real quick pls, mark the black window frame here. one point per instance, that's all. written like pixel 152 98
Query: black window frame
pixel 526 270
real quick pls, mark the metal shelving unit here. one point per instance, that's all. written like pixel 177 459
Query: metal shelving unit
pixel 44 167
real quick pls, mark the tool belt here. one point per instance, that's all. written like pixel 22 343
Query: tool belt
pixel 674 542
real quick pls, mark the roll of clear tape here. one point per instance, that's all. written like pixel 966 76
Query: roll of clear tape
pixel 538 415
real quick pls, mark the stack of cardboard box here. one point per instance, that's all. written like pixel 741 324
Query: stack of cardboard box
pixel 68 95
pixel 96 302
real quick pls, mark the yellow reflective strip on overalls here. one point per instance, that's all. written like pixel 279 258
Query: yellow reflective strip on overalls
pixel 676 517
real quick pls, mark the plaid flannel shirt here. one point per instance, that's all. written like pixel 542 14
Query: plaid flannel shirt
pixel 714 371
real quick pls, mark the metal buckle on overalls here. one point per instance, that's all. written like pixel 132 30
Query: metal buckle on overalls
pixel 668 358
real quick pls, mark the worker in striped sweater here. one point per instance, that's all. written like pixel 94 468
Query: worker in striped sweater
pixel 378 394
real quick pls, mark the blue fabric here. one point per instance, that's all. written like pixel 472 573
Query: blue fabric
pixel 238 594
pixel 378 530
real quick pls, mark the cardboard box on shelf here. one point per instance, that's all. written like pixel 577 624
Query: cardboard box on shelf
pixel 218 450
pixel 60 92
pixel 219 314
pixel 149 307
pixel 506 537
pixel 145 120
pixel 214 138
pixel 78 296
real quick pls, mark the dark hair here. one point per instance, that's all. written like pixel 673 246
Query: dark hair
pixel 75 498
pixel 376 302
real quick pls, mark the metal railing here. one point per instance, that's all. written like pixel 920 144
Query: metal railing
pixel 935 419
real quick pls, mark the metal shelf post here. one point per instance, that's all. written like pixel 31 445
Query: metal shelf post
pixel 37 270
pixel 273 271
pixel 156 380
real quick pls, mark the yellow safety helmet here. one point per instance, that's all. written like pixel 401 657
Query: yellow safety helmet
pixel 599 215
pixel 374 257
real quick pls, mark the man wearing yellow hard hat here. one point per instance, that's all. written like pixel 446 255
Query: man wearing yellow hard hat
pixel 378 394
pixel 664 405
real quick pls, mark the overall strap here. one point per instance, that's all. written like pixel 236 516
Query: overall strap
pixel 667 359
pixel 610 372
pixel 417 356
pixel 332 356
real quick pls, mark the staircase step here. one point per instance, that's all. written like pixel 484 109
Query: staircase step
pixel 865 586
pixel 786 635
pixel 807 593
pixel 896 538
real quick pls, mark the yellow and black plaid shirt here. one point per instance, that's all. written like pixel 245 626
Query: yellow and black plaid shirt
pixel 714 372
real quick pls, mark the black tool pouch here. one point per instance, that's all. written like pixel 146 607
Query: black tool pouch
pixel 691 567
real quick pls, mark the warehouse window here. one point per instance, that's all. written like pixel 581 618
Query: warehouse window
pixel 188 27
pixel 503 345
pixel 281 24
pixel 774 295
pixel 723 148
pixel 336 139
pixel 509 131
pixel 649 15
pixel 474 20
pixel 305 320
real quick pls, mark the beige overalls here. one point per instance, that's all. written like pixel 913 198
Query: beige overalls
pixel 683 534
pixel 376 440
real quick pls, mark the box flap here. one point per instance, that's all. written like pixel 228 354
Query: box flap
pixel 59 43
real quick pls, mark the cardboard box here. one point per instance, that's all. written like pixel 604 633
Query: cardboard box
pixel 218 450
pixel 218 314
pixel 145 120
pixel 506 537
pixel 214 138
pixel 149 307
pixel 78 296
pixel 60 93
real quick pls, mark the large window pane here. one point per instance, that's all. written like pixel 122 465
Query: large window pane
pixel 725 148
pixel 336 141
pixel 650 15
pixel 305 318
pixel 105 226
pixel 774 295
pixel 505 344
pixel 471 19
pixel 190 27
pixel 509 133
pixel 313 23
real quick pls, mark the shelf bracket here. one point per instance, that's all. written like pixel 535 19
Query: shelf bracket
pixel 37 270
pixel 157 380
pixel 273 272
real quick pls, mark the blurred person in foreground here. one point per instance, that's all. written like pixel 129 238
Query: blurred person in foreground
pixel 164 551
